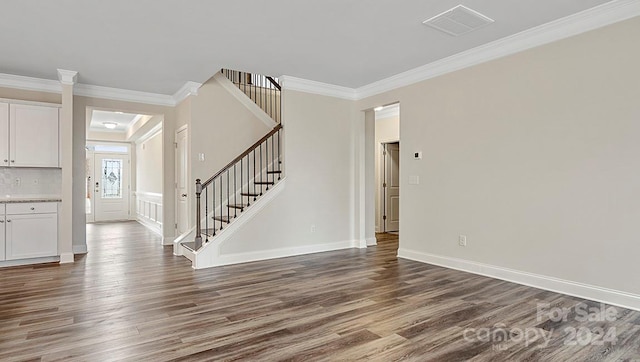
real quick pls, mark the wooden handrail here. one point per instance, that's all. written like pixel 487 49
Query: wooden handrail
pixel 245 153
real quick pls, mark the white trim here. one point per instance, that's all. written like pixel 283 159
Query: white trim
pixel 311 86
pixel 157 129
pixel 80 249
pixel 571 25
pixel 188 89
pixel 580 290
pixel 29 83
pixel 372 241
pixel 388 112
pixel 228 259
pixel 167 240
pixel 67 77
pixel 125 95
pixel 244 99
pixel 19 262
pixel 66 258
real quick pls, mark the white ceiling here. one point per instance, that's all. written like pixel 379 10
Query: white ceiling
pixel 122 120
pixel 158 45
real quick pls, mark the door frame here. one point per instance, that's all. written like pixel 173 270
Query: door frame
pixel 383 190
pixel 176 194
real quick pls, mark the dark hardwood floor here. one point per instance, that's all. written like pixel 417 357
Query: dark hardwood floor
pixel 130 299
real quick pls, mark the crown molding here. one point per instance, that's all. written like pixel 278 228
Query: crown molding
pixel 188 89
pixel 67 77
pixel 311 86
pixel 29 83
pixel 590 19
pixel 125 95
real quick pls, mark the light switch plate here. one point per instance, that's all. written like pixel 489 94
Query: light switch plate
pixel 414 180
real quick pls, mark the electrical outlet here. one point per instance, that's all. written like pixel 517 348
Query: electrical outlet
pixel 462 240
pixel 313 228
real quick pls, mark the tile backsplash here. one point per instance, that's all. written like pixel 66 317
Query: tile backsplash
pixel 16 182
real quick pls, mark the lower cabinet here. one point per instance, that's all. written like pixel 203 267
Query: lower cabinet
pixel 30 230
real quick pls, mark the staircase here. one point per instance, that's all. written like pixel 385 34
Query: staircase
pixel 231 191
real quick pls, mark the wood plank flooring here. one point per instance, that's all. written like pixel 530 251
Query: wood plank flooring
pixel 130 299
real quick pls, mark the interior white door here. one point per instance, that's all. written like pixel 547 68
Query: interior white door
pixel 392 187
pixel 182 182
pixel 111 187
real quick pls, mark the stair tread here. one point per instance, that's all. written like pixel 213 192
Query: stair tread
pixel 264 182
pixel 272 172
pixel 237 206
pixel 191 245
pixel 249 194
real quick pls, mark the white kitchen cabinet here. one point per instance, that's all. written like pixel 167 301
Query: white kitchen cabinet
pixel 2 237
pixel 33 136
pixel 31 230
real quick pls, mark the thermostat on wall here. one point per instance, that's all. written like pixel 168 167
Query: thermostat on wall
pixel 417 155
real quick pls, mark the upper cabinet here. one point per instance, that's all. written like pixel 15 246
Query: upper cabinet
pixel 29 135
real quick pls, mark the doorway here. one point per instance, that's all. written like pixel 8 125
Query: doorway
pixel 387 168
pixel 182 185
pixel 107 180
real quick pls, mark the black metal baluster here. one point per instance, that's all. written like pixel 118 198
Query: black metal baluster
pixel 206 214
pixel 228 216
pixel 261 180
pixel 248 185
pixel 221 201
pixel 235 192
pixel 254 174
pixel 279 154
pixel 273 166
pixel 213 193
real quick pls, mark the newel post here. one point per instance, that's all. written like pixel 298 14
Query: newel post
pixel 198 240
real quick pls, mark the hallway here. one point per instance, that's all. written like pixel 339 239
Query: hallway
pixel 130 299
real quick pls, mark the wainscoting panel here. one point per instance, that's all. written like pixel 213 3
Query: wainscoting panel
pixel 149 210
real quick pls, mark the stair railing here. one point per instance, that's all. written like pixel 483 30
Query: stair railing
pixel 263 90
pixel 253 171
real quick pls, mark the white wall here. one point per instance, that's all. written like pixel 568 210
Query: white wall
pixel 534 157
pixel 319 170
pixel 149 176
pixel 387 129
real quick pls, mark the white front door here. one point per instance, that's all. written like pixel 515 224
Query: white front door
pixel 392 187
pixel 111 187
pixel 182 183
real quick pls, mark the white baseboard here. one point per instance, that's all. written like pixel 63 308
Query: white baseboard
pixel 580 290
pixel 19 262
pixel 80 249
pixel 226 259
pixel 66 258
pixel 153 226
pixel 372 241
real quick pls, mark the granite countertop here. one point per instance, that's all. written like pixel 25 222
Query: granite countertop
pixel 16 200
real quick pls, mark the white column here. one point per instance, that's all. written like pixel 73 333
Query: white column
pixel 65 219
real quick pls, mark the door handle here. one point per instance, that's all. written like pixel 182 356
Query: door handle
pixel 184 195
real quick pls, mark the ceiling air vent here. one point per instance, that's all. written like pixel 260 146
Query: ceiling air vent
pixel 459 20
